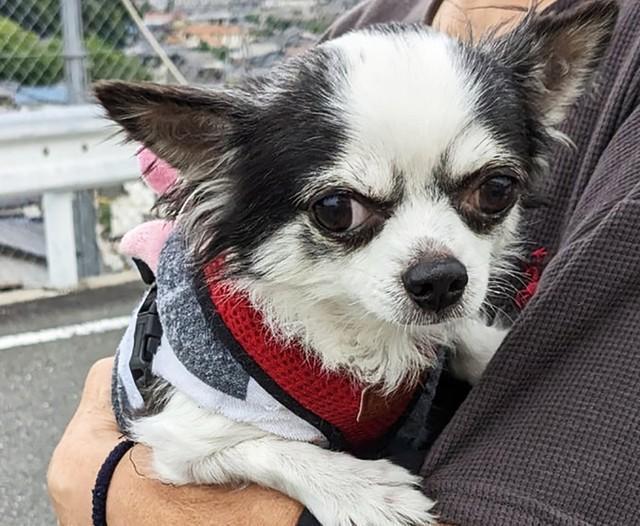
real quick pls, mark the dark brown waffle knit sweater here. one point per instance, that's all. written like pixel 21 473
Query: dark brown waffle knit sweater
pixel 551 435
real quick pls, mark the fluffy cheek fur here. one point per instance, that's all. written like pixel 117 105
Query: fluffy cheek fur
pixel 366 283
pixel 422 228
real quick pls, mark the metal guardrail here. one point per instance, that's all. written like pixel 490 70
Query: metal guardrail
pixel 51 50
pixel 61 149
pixel 54 152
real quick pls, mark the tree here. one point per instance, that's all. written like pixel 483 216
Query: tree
pixel 40 16
pixel 108 63
pixel 29 60
pixel 26 59
pixel 107 19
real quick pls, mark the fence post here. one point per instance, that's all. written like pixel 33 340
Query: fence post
pixel 85 247
pixel 74 52
pixel 62 264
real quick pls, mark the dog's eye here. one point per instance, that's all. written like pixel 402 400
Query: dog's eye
pixel 495 195
pixel 339 213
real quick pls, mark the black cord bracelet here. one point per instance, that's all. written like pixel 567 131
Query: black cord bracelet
pixel 99 501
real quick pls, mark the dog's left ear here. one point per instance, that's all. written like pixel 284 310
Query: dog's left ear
pixel 556 55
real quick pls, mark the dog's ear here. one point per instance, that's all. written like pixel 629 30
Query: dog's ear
pixel 187 127
pixel 556 55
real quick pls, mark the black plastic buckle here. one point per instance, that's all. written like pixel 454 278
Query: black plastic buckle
pixel 146 340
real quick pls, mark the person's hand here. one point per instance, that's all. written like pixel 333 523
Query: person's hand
pixel 86 442
pixel 134 497
pixel 466 19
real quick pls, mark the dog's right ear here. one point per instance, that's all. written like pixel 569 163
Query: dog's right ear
pixel 187 127
pixel 556 55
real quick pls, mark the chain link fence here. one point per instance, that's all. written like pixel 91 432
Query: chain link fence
pixel 32 51
pixel 207 41
pixel 52 50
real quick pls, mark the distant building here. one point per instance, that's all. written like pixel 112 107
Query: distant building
pixel 192 36
pixel 159 20
pixel 289 4
pixel 23 258
pixel 197 6
pixel 255 51
pixel 219 17
pixel 202 67
pixel 220 41
pixel 161 24
pixel 299 9
pixel 158 5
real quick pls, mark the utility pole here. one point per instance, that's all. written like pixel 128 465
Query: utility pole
pixel 84 213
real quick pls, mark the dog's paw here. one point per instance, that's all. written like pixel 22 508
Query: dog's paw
pixel 372 493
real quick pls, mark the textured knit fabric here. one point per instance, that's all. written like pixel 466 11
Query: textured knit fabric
pixel 186 327
pixel 551 435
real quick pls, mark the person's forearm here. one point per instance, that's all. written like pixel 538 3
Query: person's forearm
pixel 137 499
pixel 133 496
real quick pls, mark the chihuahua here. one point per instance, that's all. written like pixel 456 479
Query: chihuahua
pixel 364 197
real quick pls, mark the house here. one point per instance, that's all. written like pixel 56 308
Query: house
pixel 156 20
pixel 218 17
pixel 256 52
pixel 193 36
pixel 196 6
pixel 201 67
pixel 23 259
pixel 300 9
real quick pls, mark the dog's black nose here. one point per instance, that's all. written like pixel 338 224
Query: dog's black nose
pixel 436 284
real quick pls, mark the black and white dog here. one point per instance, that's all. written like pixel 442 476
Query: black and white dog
pixel 365 196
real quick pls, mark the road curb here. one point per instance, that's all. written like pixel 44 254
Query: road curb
pixel 92 283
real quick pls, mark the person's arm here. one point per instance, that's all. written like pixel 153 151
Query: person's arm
pixel 376 12
pixel 461 19
pixel 133 497
pixel 551 434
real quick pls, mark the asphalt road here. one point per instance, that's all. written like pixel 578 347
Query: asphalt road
pixel 39 389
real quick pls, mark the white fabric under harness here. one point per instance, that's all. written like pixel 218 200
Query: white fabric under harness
pixel 259 408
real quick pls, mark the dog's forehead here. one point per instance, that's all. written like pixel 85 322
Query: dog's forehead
pixel 410 100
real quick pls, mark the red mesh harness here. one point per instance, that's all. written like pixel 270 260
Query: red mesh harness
pixel 349 414
pixel 533 274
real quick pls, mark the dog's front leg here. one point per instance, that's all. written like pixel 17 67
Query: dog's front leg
pixel 191 445
pixel 340 490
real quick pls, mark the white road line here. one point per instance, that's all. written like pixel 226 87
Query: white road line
pixel 62 333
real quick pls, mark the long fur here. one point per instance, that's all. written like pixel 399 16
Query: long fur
pixel 412 122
